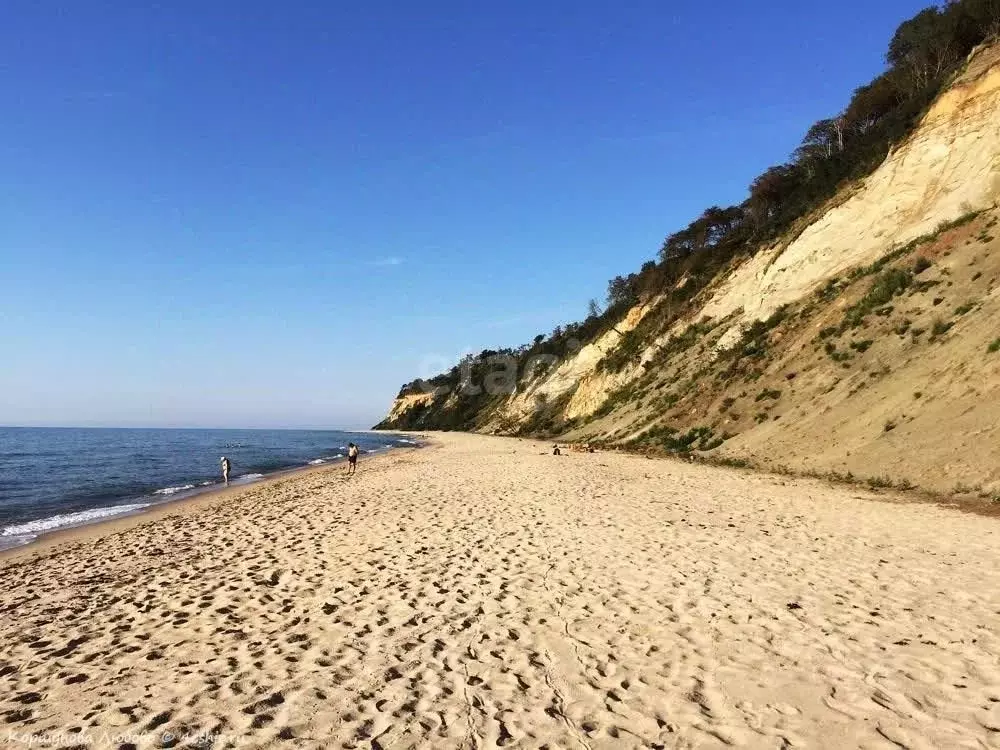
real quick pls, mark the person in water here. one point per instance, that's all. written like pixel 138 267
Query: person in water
pixel 352 458
pixel 226 466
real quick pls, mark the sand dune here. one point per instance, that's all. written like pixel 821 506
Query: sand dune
pixel 483 593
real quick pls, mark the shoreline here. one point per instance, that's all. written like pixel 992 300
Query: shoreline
pixel 45 541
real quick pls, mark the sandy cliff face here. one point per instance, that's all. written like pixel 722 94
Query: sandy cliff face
pixel 406 403
pixel 808 398
pixel 949 167
pixel 576 375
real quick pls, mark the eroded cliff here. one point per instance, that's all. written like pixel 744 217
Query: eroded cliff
pixel 863 341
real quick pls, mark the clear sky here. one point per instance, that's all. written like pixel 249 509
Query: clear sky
pixel 245 213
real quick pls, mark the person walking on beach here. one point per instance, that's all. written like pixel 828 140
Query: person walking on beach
pixel 352 458
pixel 226 466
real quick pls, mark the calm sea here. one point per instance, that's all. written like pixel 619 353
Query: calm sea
pixel 52 478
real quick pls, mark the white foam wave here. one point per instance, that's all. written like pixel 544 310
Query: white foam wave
pixel 317 462
pixel 407 442
pixel 68 519
pixel 174 490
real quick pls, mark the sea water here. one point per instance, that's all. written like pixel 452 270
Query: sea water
pixel 52 478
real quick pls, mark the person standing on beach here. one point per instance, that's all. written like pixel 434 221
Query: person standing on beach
pixel 352 458
pixel 226 466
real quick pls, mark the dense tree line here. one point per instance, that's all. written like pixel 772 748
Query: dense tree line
pixel 923 54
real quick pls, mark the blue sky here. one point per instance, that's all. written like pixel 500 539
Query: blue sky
pixel 243 213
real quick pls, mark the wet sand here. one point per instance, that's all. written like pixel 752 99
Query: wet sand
pixel 482 592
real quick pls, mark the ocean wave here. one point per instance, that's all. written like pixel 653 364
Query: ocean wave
pixel 68 519
pixel 317 462
pixel 174 490
pixel 407 442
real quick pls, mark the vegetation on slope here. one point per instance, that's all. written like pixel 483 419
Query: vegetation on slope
pixel 887 352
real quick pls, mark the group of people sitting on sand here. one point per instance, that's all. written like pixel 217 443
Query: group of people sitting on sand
pixel 352 463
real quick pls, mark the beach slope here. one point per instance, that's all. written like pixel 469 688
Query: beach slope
pixel 482 592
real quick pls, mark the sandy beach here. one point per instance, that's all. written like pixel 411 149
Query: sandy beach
pixel 482 592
